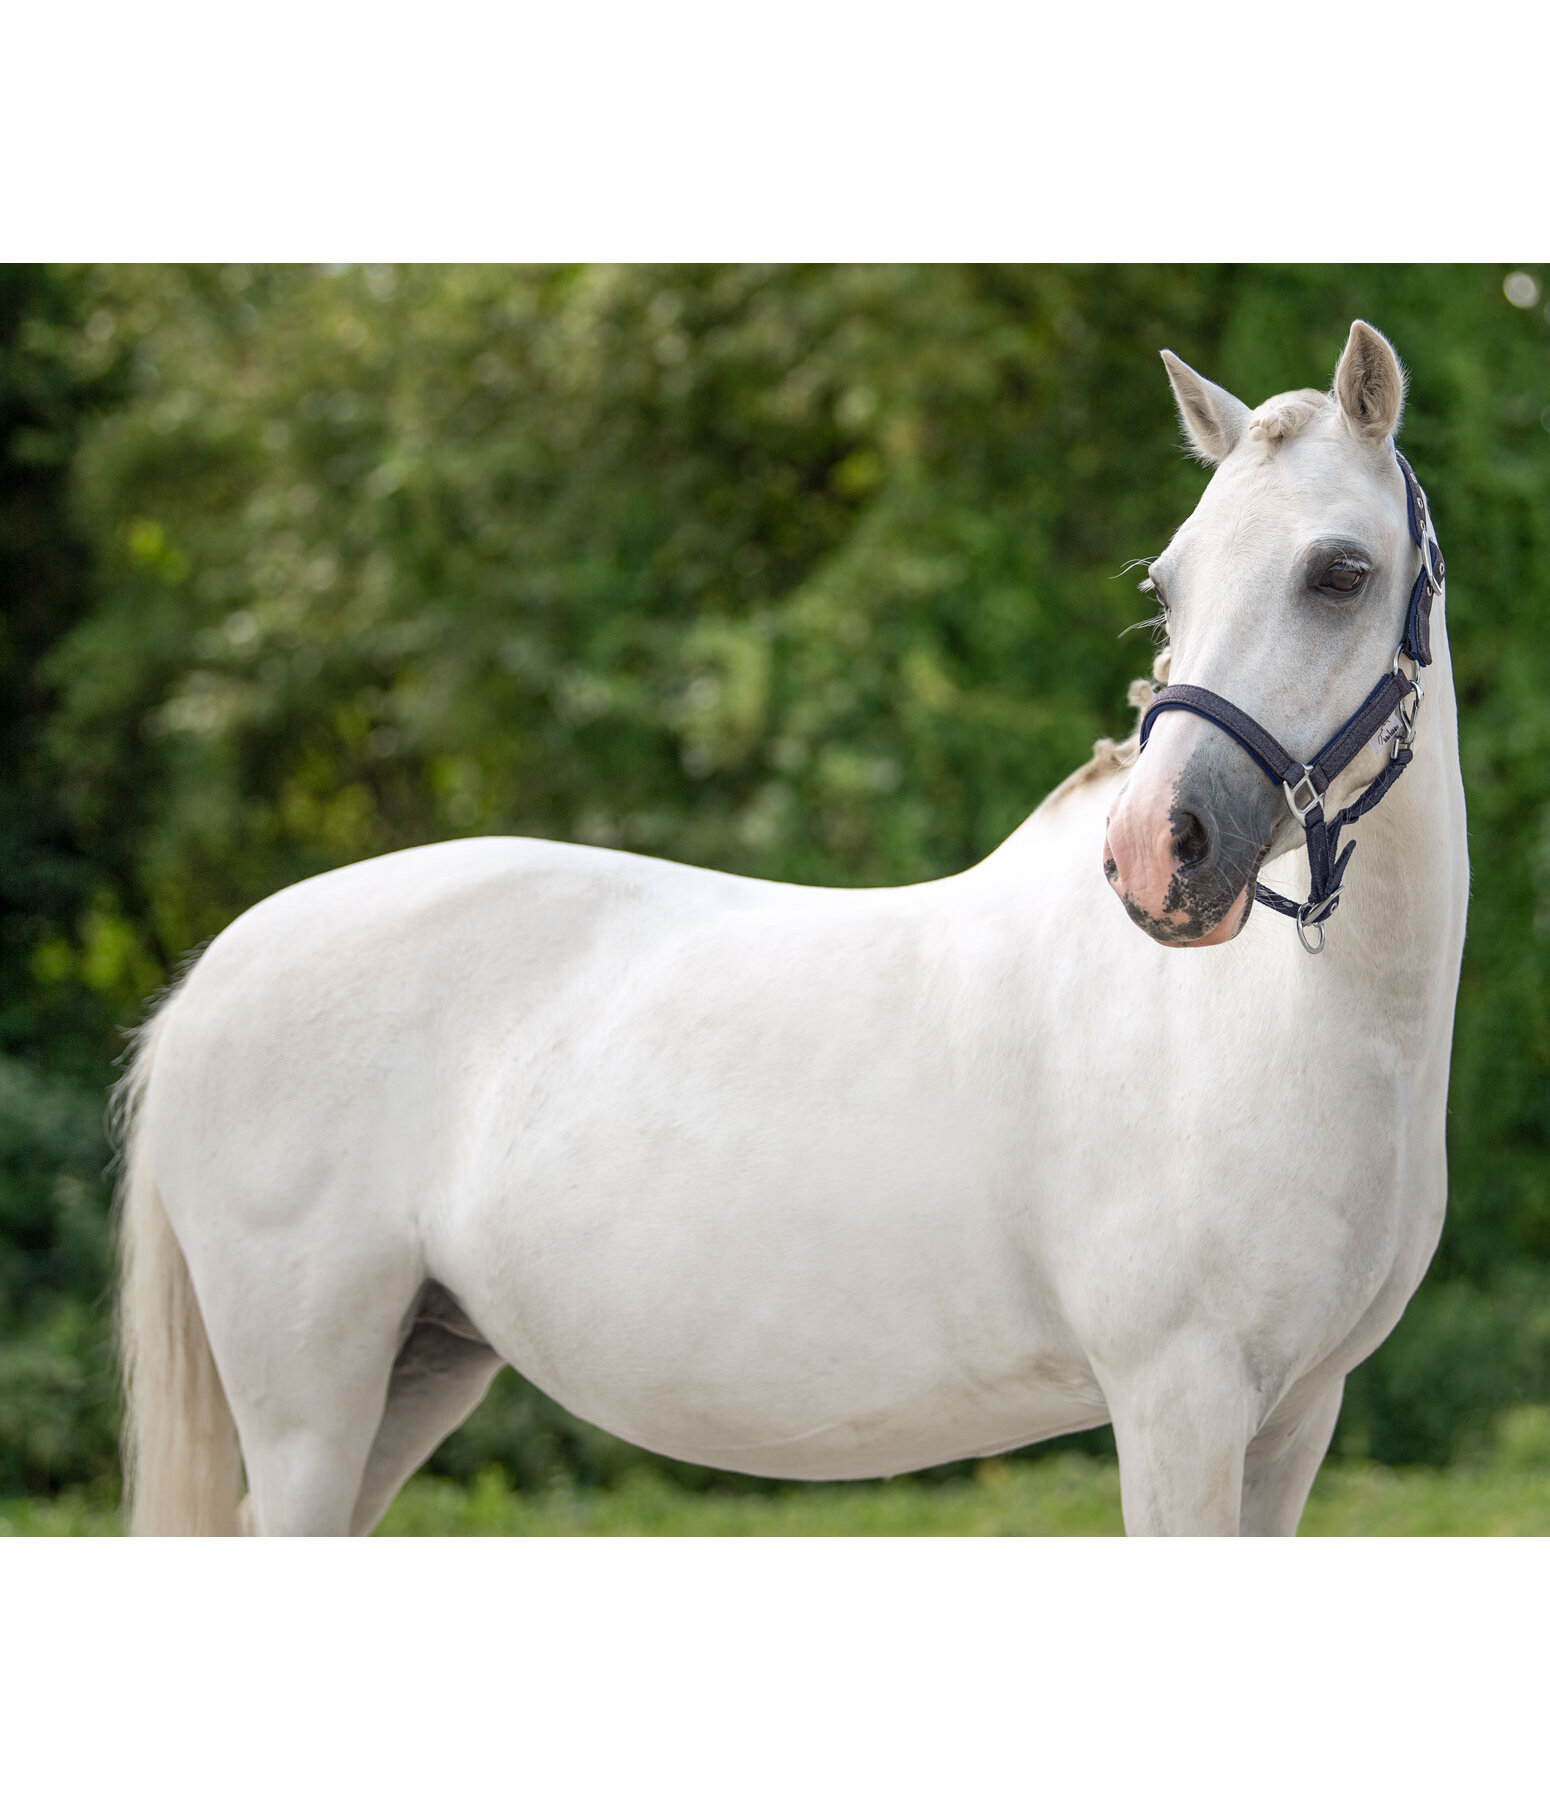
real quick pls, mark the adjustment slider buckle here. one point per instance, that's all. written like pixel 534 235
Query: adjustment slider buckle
pixel 1300 811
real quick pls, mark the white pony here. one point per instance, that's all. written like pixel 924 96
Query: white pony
pixel 821 1184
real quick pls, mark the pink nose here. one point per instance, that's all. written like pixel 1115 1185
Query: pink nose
pixel 1138 858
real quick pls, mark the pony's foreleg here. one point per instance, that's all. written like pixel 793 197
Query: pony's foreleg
pixel 1284 1458
pixel 1181 1425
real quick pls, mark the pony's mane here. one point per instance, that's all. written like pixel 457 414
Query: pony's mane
pixel 1109 755
pixel 1282 416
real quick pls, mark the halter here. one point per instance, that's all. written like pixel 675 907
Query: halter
pixel 1306 783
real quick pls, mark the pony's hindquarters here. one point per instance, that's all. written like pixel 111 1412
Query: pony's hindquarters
pixel 182 1467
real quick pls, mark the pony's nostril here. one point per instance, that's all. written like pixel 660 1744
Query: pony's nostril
pixel 1191 841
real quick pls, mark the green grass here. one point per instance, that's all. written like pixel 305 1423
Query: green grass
pixel 1062 1496
pixel 1071 1495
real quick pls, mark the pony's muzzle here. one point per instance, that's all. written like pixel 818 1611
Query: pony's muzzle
pixel 1184 843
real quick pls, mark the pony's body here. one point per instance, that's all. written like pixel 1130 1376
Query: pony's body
pixel 810 1183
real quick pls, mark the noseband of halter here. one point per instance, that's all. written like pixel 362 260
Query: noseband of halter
pixel 1306 783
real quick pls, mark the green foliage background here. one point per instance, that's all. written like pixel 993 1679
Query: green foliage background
pixel 803 572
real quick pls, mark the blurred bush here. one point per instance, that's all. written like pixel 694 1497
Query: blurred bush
pixel 810 573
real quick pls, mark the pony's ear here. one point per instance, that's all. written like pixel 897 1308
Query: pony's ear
pixel 1369 384
pixel 1213 419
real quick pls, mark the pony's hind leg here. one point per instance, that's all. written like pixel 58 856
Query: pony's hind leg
pixel 303 1483
pixel 442 1373
pixel 307 1386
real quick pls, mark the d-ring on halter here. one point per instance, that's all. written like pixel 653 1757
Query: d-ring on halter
pixel 1306 783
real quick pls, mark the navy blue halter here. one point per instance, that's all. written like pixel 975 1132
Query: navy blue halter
pixel 1305 783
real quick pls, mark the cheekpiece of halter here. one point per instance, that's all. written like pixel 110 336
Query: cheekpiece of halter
pixel 1306 783
pixel 1417 641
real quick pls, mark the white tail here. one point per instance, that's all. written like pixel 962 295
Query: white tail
pixel 182 1467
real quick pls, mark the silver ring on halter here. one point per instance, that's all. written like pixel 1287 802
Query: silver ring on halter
pixel 1309 914
pixel 1302 936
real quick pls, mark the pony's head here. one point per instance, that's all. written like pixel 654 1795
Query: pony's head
pixel 1285 592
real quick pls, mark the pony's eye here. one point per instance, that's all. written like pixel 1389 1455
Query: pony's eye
pixel 1342 577
pixel 1152 586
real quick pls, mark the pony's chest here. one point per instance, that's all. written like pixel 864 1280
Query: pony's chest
pixel 1284 1238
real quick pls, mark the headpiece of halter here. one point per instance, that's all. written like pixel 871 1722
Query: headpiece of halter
pixel 1306 783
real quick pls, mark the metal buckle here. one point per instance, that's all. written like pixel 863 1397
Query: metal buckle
pixel 1431 557
pixel 1292 789
pixel 1404 738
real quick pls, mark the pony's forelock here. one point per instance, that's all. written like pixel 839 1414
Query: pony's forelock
pixel 1284 415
